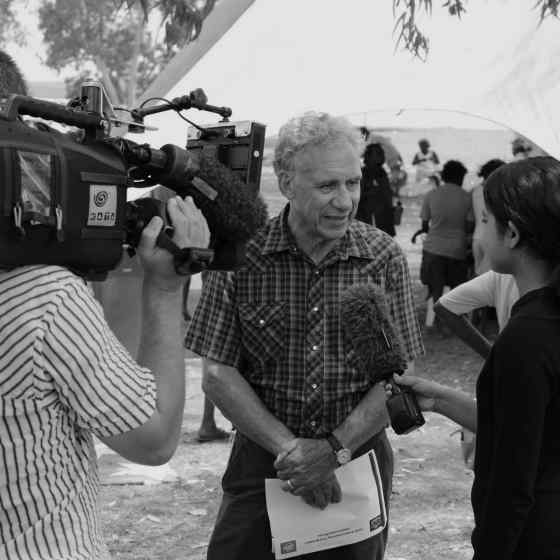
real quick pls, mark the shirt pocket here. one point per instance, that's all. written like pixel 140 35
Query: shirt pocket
pixel 264 329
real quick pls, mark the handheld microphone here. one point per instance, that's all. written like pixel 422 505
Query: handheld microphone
pixel 378 347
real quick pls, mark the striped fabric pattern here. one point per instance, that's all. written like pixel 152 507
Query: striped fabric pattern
pixel 63 377
pixel 277 320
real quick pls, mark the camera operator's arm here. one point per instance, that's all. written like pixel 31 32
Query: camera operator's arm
pixel 161 347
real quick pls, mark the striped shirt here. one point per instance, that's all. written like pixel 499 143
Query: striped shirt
pixel 277 321
pixel 63 377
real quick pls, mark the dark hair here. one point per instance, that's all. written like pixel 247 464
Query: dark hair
pixel 374 147
pixel 453 172
pixel 527 194
pixel 490 166
pixel 364 131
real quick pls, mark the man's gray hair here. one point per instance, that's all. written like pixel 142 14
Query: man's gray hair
pixel 312 129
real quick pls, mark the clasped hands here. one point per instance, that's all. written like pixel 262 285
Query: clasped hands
pixel 307 469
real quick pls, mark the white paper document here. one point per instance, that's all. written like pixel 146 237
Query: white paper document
pixel 298 528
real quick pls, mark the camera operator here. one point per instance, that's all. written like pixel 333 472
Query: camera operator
pixel 65 377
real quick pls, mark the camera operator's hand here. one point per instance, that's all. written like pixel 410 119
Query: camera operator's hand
pixel 191 230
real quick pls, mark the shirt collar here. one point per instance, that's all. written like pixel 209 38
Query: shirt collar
pixel 352 244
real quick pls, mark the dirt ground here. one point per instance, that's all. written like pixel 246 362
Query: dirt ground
pixel 430 509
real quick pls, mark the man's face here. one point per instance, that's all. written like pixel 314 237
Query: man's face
pixel 424 147
pixel 324 191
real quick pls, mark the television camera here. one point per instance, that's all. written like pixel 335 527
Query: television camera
pixel 63 194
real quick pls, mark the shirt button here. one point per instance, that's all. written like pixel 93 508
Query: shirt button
pixel 261 322
pixel 317 272
pixel 315 309
pixel 314 386
pixel 315 348
pixel 313 423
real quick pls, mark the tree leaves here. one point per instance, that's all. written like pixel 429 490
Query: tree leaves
pixel 548 8
pixel 183 19
pixel 410 37
pixel 10 28
pixel 110 40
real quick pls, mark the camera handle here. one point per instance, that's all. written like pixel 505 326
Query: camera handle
pixel 23 105
pixel 189 260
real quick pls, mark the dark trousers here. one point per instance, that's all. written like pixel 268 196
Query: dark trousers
pixel 242 530
pixel 437 271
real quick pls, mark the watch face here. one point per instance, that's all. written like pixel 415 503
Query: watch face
pixel 343 456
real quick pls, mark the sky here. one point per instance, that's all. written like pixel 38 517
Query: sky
pixel 340 57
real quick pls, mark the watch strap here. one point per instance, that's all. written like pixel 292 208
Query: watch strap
pixel 334 442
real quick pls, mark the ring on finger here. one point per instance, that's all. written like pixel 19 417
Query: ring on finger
pixel 290 485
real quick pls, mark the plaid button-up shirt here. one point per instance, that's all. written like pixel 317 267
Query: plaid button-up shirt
pixel 277 321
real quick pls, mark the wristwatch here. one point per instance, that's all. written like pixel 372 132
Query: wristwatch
pixel 342 454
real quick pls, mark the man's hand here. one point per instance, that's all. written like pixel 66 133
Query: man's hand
pixel 191 230
pixel 309 463
pixel 328 492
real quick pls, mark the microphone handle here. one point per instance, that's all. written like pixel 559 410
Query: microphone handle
pixel 404 411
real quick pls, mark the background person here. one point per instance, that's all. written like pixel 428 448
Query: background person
pixel 516 490
pixel 279 367
pixel 447 219
pixel 376 196
pixel 520 148
pixel 425 161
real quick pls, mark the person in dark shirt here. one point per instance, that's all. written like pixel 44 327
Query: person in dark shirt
pixel 516 490
pixel 376 196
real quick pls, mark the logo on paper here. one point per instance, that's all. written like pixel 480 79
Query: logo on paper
pixel 375 523
pixel 287 547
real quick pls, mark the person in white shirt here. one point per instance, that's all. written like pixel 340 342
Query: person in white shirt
pixel 490 289
pixel 425 161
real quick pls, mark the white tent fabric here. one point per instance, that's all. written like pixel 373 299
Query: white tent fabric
pixel 282 58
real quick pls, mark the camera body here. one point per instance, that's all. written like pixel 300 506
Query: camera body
pixel 62 202
pixel 63 195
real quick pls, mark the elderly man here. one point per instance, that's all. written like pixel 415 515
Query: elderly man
pixel 279 367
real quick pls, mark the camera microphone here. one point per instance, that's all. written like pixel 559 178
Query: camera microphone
pixel 232 208
pixel 379 350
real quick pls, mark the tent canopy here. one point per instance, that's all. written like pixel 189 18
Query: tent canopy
pixel 282 58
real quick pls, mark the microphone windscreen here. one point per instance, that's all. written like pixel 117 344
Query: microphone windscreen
pixel 367 327
pixel 232 209
pixel 239 211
